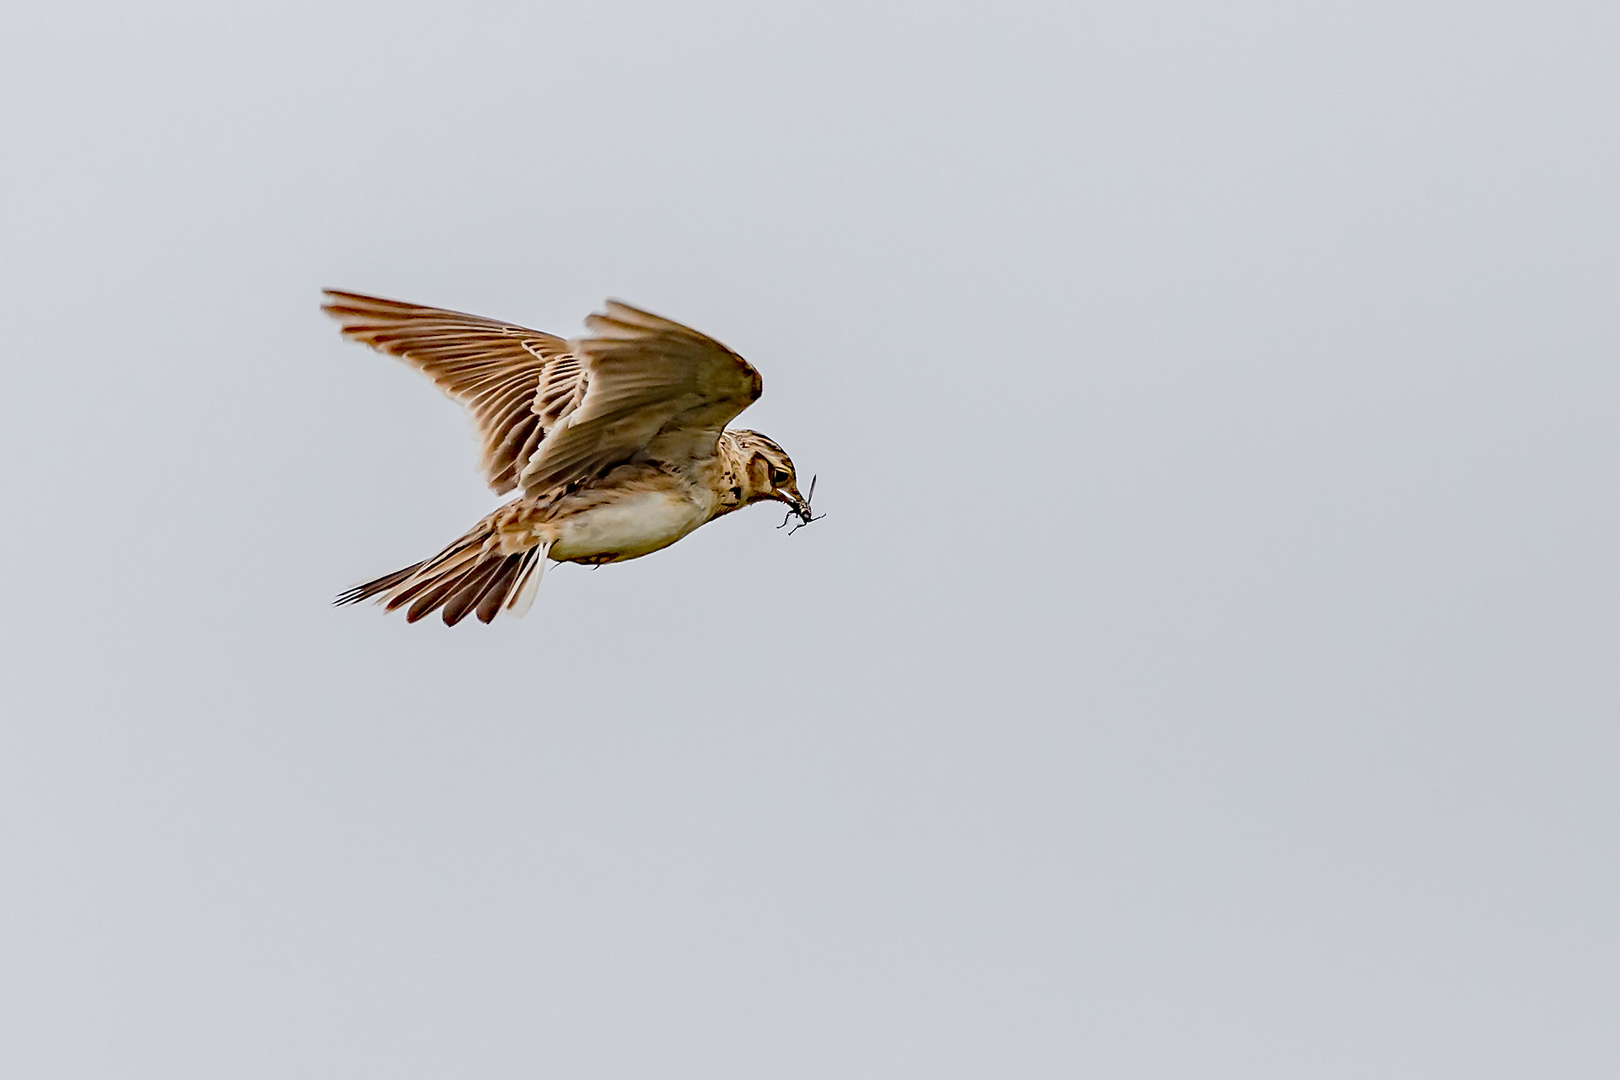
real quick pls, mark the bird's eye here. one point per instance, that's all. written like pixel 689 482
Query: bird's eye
pixel 779 477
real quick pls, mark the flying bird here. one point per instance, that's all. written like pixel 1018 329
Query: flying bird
pixel 616 442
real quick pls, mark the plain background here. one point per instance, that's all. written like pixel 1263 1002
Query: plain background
pixel 1206 668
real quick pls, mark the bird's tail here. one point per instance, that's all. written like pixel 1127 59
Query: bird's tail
pixel 471 575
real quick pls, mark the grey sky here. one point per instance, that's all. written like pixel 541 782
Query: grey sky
pixel 1206 667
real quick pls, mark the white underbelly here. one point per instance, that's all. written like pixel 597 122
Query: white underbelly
pixel 629 526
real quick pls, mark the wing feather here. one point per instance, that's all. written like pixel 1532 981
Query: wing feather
pixel 550 412
pixel 647 377
pixel 498 371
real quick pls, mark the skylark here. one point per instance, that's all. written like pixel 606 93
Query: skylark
pixel 616 441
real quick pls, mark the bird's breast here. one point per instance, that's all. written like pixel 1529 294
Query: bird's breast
pixel 626 525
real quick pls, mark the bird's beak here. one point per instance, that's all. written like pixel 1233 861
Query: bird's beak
pixel 798 503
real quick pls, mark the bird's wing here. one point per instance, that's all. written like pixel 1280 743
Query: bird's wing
pixel 517 383
pixel 655 388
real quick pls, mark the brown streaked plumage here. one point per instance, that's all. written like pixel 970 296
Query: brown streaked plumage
pixel 617 442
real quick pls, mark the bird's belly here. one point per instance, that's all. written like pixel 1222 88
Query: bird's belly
pixel 626 527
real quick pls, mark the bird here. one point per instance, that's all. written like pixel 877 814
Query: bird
pixel 616 443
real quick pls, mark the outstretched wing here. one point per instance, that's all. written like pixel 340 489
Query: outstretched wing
pixel 517 383
pixel 655 389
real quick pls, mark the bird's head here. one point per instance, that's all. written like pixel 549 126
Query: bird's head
pixel 763 471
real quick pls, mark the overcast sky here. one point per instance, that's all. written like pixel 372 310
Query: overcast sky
pixel 1207 666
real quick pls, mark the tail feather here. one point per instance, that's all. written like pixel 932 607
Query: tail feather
pixel 528 582
pixel 489 604
pixel 431 598
pixel 372 588
pixel 467 594
pixel 470 575
pixel 427 578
